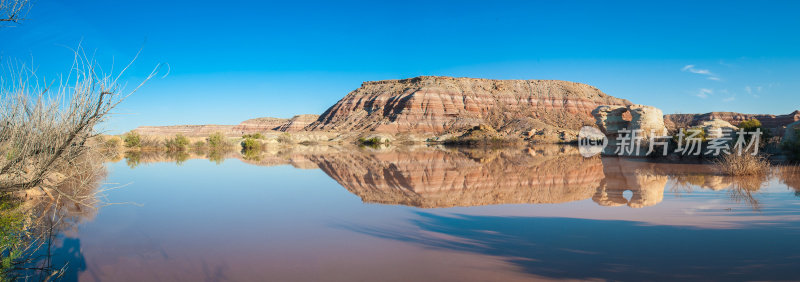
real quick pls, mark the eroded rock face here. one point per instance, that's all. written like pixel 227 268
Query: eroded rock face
pixel 646 118
pixel 775 123
pixel 649 119
pixel 438 105
pixel 609 118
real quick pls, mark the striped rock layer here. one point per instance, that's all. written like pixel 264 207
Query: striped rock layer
pixel 431 104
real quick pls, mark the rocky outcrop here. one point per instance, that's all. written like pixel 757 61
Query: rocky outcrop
pixel 775 123
pixel 610 119
pixel 648 119
pixel 297 123
pixel 438 105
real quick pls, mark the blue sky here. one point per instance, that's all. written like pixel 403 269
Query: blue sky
pixel 242 59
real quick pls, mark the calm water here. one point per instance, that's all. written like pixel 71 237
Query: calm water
pixel 319 213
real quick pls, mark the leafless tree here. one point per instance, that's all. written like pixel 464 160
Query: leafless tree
pixel 13 11
pixel 44 127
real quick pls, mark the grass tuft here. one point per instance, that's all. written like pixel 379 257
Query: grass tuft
pixel 744 164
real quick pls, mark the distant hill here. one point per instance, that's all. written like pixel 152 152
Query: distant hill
pixel 775 123
pixel 294 124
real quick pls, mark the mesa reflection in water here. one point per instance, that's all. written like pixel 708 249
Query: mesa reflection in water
pixel 439 177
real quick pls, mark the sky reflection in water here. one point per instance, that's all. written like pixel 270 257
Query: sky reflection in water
pixel 322 213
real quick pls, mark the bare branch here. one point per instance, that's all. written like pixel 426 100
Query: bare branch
pixel 14 11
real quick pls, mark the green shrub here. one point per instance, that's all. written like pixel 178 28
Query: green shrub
pixel 132 139
pixel 750 125
pixel 369 141
pixel 254 136
pixel 701 134
pixel 374 142
pixel 179 143
pixel 216 140
pixel 251 144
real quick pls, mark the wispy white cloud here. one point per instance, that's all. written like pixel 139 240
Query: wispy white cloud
pixel 753 92
pixel 704 92
pixel 726 64
pixel 731 96
pixel 692 69
pixel 709 75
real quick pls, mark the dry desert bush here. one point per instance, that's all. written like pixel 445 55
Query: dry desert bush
pixel 743 164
